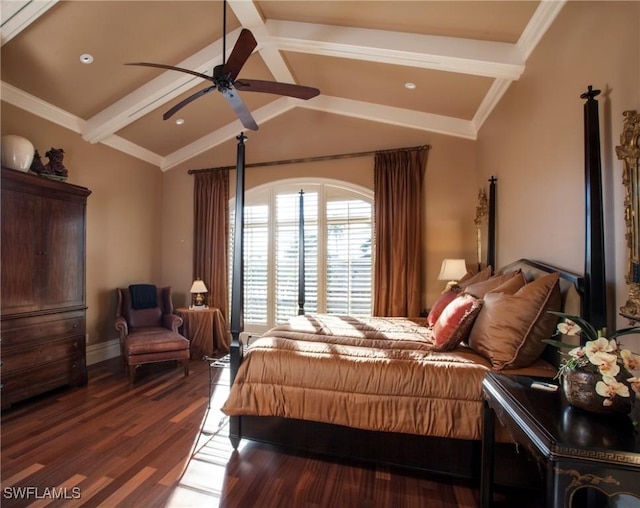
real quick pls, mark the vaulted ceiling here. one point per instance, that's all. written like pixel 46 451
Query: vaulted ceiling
pixel 461 56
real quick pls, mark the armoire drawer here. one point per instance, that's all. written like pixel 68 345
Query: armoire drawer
pixel 33 355
pixel 33 329
pixel 19 385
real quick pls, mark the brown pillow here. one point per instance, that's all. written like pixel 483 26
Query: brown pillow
pixel 455 322
pixel 481 276
pixel 510 328
pixel 479 289
pixel 512 286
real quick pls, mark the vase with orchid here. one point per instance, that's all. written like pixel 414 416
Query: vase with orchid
pixel 614 372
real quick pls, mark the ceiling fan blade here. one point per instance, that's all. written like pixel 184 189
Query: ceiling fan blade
pixel 234 100
pixel 172 68
pixel 186 101
pixel 245 45
pixel 258 85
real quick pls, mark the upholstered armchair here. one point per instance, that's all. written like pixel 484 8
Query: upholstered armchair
pixel 148 328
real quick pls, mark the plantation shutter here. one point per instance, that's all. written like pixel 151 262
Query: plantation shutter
pixel 349 257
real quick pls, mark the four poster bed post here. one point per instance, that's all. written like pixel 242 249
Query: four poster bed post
pixel 237 291
pixel 595 283
pixel 301 286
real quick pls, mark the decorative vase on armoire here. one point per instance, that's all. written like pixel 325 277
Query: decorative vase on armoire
pixel 17 152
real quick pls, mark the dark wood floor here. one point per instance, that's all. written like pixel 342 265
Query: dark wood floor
pixel 158 444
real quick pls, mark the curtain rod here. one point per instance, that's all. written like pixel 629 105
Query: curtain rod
pixel 312 159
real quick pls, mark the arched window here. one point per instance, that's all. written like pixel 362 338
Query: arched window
pixel 338 250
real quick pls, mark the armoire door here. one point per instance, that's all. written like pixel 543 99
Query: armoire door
pixel 63 261
pixel 22 252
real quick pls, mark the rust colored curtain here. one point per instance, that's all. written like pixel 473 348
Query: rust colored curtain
pixel 398 179
pixel 211 235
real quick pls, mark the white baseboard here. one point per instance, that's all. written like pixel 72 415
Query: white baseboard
pixel 103 351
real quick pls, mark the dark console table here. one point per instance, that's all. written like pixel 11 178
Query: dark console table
pixel 574 449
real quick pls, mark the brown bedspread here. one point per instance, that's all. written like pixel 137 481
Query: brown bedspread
pixel 370 373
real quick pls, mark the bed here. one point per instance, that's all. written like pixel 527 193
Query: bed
pixel 409 405
pixel 379 390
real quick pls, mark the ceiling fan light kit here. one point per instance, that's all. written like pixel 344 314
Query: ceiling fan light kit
pixel 224 80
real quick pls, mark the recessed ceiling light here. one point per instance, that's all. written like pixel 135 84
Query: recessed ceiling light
pixel 410 86
pixel 179 121
pixel 86 58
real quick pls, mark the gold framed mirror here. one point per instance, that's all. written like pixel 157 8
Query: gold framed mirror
pixel 629 153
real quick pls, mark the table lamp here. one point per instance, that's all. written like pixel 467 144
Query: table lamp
pixel 197 295
pixel 452 270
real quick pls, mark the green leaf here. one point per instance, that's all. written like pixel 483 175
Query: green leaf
pixel 625 331
pixel 559 344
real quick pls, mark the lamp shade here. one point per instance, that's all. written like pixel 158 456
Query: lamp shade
pixel 452 269
pixel 198 287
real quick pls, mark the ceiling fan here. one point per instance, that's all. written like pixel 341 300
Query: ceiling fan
pixel 224 79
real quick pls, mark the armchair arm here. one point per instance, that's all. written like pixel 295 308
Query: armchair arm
pixel 121 326
pixel 172 322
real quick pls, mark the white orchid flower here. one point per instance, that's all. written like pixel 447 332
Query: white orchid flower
pixel 568 327
pixel 609 387
pixel 635 384
pixel 631 360
pixel 601 358
pixel 611 369
pixel 577 352
pixel 601 344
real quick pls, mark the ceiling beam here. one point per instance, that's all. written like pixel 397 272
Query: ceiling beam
pixel 538 25
pixel 466 56
pixel 51 113
pixel 406 118
pixel 250 18
pixel 17 15
pixel 229 131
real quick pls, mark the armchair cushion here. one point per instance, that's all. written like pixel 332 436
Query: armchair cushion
pixel 154 340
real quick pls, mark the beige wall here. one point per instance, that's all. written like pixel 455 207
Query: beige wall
pixel 533 141
pixel 123 213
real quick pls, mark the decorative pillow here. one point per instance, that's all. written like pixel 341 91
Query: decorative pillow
pixel 510 329
pixel 478 277
pixel 479 289
pixel 445 299
pixel 512 286
pixel 455 322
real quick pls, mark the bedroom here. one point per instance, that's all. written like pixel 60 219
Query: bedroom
pixel 532 142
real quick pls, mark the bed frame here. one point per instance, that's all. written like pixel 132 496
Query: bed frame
pixel 453 457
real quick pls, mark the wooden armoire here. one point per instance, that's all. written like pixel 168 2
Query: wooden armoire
pixel 42 279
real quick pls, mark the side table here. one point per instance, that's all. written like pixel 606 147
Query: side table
pixel 575 449
pixel 205 329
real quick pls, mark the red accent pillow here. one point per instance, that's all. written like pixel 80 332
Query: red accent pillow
pixel 441 303
pixel 455 322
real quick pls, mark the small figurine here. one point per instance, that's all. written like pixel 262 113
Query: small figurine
pixel 36 165
pixel 55 165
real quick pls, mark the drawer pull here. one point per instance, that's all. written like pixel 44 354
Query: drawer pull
pixel 75 325
pixel 75 344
